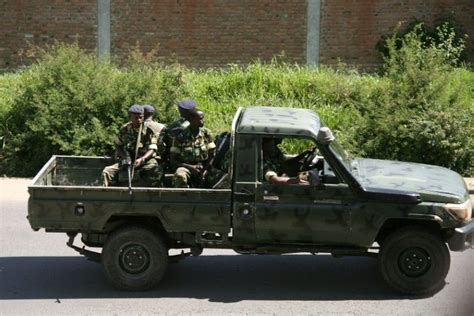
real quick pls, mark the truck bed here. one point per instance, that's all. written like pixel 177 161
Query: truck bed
pixel 67 196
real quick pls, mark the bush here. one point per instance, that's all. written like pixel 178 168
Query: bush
pixel 426 114
pixel 70 102
pixel 444 35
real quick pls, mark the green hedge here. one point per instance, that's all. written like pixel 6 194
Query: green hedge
pixel 70 102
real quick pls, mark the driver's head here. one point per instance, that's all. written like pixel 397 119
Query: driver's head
pixel 269 144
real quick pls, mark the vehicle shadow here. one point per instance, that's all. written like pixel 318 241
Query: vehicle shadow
pixel 216 278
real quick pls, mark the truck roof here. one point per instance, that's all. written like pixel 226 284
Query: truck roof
pixel 279 121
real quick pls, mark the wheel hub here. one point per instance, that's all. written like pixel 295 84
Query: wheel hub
pixel 134 259
pixel 414 262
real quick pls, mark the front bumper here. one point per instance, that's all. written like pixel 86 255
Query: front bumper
pixel 462 238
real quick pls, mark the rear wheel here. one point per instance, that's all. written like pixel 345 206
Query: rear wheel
pixel 134 258
pixel 414 261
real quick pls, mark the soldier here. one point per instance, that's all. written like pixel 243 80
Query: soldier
pixel 157 128
pixel 166 137
pixel 273 161
pixel 216 174
pixel 129 142
pixel 185 106
pixel 149 111
pixel 191 151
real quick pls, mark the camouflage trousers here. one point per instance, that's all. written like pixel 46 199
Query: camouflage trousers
pixel 150 172
pixel 183 178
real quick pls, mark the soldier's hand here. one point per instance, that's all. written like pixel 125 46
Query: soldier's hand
pixel 126 162
pixel 138 162
pixel 297 180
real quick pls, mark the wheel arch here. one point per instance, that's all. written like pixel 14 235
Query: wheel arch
pixel 152 223
pixel 393 224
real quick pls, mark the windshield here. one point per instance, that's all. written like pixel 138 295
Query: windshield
pixel 341 154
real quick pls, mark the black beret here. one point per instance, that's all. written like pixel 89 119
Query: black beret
pixel 136 109
pixel 187 104
pixel 148 108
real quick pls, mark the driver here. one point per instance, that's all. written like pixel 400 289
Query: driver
pixel 273 162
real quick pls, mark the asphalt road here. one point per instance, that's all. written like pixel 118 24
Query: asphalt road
pixel 39 274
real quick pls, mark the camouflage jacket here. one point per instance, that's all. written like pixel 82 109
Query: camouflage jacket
pixel 155 126
pixel 166 136
pixel 272 163
pixel 127 141
pixel 191 148
pixel 177 125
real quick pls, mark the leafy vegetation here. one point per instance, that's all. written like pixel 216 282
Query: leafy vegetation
pixel 70 102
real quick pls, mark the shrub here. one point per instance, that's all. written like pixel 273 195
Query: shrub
pixel 72 103
pixel 426 115
pixel 444 35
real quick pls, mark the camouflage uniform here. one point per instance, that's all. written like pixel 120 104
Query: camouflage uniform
pixel 220 166
pixel 158 129
pixel 193 150
pixel 154 126
pixel 166 137
pixel 272 163
pixel 150 171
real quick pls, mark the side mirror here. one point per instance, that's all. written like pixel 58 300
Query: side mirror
pixel 325 135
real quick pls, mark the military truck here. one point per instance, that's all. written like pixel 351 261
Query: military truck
pixel 403 214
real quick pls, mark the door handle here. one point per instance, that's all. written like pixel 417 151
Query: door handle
pixel 271 197
pixel 244 196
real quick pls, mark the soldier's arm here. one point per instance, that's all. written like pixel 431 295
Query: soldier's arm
pixel 272 177
pixel 276 179
pixel 121 152
pixel 152 140
pixel 211 148
pixel 175 158
pixel 162 142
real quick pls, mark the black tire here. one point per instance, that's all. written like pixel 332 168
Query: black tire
pixel 414 261
pixel 134 258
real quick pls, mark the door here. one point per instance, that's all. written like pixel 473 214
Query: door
pixel 244 186
pixel 303 214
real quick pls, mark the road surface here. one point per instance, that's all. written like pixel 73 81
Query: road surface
pixel 39 274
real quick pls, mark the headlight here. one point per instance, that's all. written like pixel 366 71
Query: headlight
pixel 462 211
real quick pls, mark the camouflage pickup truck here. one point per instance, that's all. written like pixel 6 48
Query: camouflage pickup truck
pixel 404 214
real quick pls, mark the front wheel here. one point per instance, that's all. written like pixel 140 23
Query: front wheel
pixel 414 261
pixel 134 258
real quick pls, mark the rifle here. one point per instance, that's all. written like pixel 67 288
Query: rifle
pixel 131 167
pixel 130 177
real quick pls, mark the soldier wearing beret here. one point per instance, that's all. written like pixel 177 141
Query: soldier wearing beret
pixel 185 106
pixel 157 128
pixel 191 151
pixel 165 140
pixel 149 111
pixel 130 141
